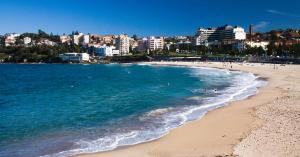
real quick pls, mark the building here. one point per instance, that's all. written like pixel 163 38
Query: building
pixel 86 39
pixel 133 44
pixel 142 45
pixel 180 37
pixel 218 36
pixel 27 40
pixel 77 38
pixel 101 39
pixel 183 45
pixel 46 42
pixel 106 51
pixel 10 39
pixel 239 46
pixel 81 39
pixel 262 44
pixel 108 39
pixel 155 43
pixel 65 39
pixel 122 44
pixel 75 57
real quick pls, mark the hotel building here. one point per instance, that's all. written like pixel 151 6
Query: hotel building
pixel 222 35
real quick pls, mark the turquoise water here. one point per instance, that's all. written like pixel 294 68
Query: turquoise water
pixel 62 110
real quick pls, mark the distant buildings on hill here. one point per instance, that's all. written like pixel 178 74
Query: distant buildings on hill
pixel 234 37
pixel 11 38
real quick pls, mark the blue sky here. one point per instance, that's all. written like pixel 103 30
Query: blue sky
pixel 144 17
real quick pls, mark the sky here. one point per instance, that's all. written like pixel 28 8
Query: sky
pixel 145 17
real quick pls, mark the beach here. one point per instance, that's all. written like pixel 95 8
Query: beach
pixel 266 124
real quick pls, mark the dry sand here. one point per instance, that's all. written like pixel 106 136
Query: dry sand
pixel 267 124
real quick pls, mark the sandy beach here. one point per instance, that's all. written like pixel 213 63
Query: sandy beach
pixel 267 124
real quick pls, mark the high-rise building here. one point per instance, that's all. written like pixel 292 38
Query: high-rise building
pixel 220 35
pixel 122 44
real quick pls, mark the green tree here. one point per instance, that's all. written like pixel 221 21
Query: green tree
pixel 135 37
pixel 2 41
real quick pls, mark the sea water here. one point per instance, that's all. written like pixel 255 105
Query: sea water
pixel 64 109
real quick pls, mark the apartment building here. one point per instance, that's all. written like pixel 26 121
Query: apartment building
pixel 122 44
pixel 155 43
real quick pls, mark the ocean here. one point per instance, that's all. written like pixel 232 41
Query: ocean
pixel 67 109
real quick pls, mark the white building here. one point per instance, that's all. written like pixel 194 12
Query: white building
pixel 107 51
pixel 75 57
pixel 238 33
pixel 77 38
pixel 215 36
pixel 27 40
pixel 10 39
pixel 155 43
pixel 81 39
pixel 86 39
pixel 122 44
pixel 181 37
pixel 262 44
pixel 46 42
pixel 65 39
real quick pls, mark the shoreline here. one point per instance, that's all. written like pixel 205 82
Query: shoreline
pixel 209 136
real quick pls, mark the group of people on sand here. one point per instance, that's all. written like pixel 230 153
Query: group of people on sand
pixel 227 64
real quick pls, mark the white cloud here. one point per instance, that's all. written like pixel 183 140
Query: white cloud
pixel 261 25
pixel 281 13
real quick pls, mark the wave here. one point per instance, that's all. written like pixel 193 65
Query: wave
pixel 243 85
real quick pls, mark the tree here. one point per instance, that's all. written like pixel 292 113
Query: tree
pixel 2 41
pixel 258 51
pixel 76 33
pixel 295 50
pixel 135 37
pixel 42 34
pixel 201 49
